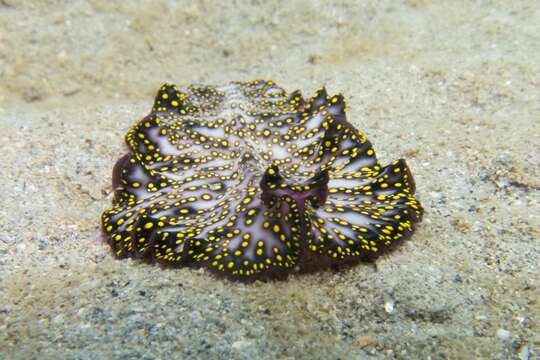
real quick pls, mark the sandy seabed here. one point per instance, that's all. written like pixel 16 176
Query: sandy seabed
pixel 453 87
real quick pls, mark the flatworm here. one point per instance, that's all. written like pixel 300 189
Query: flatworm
pixel 249 180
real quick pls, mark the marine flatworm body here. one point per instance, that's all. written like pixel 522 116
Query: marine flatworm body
pixel 249 180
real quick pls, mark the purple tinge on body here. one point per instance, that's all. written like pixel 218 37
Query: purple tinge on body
pixel 246 179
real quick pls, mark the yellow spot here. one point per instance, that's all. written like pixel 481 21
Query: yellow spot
pixel 148 225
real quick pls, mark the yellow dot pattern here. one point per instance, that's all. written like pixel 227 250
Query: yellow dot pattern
pixel 244 178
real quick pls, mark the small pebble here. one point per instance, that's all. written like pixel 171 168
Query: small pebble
pixel 505 158
pixel 6 239
pixel 242 344
pixel 389 307
pixel 365 341
pixel 503 334
pixel 21 247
